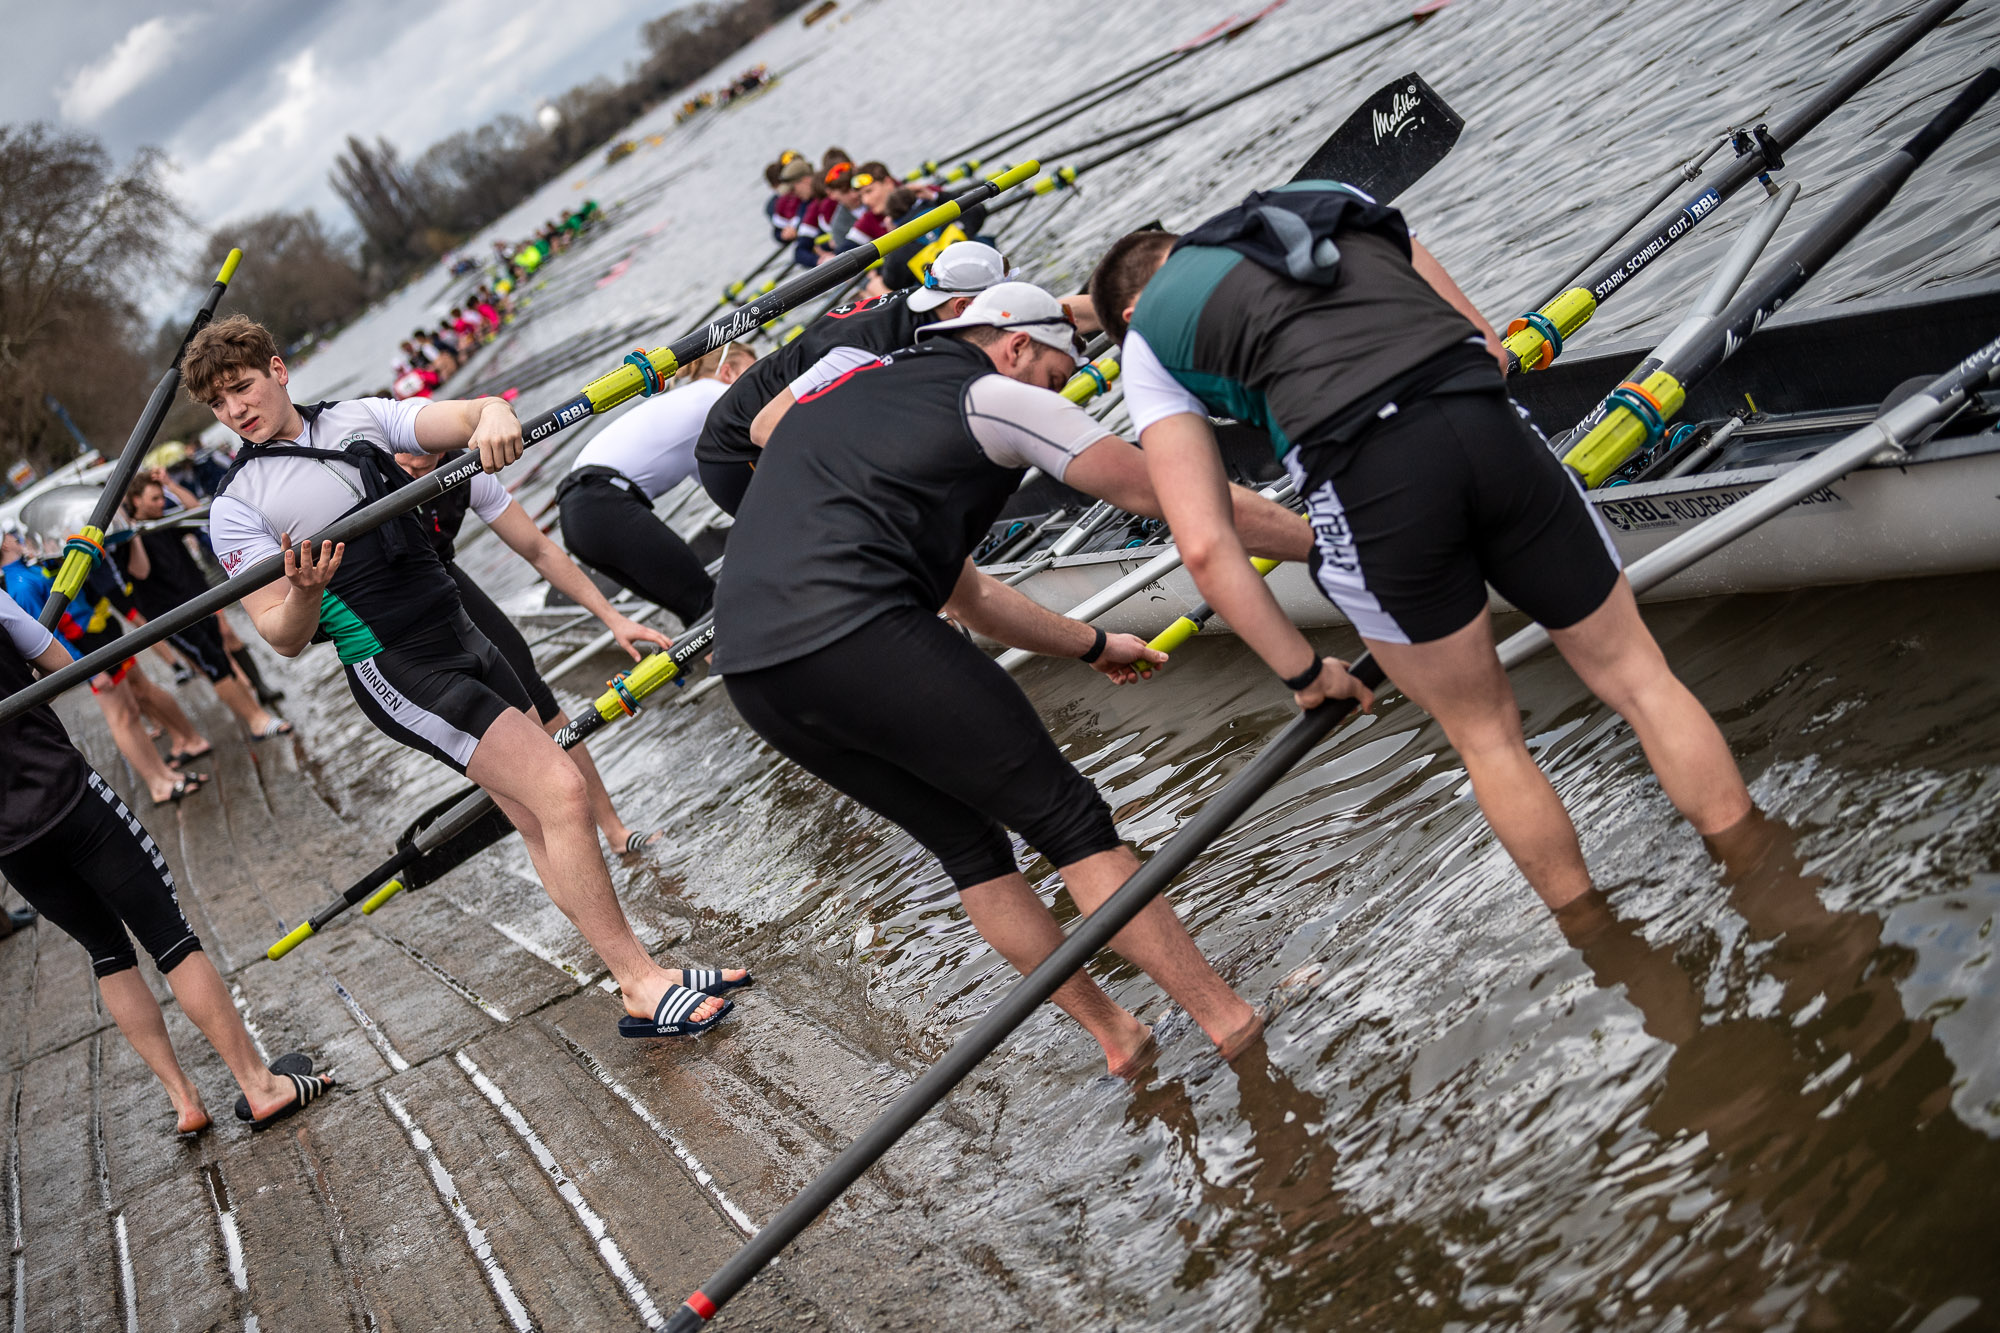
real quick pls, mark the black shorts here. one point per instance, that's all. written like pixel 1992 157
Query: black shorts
pixel 502 633
pixel 612 528
pixel 98 872
pixel 726 483
pixel 911 720
pixel 438 689
pixel 201 644
pixel 1454 492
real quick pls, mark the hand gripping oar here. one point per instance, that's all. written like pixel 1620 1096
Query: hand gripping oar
pixel 1401 121
pixel 468 822
pixel 1896 427
pixel 1536 339
pixel 1633 415
pixel 84 549
pixel 642 374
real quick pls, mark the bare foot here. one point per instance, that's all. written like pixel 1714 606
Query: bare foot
pixel 276 1095
pixel 190 1118
pixel 1135 1061
pixel 1244 1037
pixel 645 1002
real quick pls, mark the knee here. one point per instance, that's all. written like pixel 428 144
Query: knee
pixel 561 791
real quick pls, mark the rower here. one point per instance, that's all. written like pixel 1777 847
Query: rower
pixel 877 485
pixel 71 848
pixel 607 498
pixel 164 575
pixel 485 496
pixel 420 670
pixel 727 452
pixel 1376 380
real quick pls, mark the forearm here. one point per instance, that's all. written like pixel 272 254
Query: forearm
pixel 987 606
pixel 287 625
pixel 1431 271
pixel 1267 528
pixel 564 576
pixel 1230 584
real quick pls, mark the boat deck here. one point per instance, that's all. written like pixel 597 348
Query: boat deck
pixel 495 1155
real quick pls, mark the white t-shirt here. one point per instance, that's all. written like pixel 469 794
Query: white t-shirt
pixel 1016 424
pixel 1151 394
pixel 29 637
pixel 489 498
pixel 302 496
pixel 653 444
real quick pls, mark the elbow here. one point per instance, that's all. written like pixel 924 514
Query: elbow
pixel 1202 554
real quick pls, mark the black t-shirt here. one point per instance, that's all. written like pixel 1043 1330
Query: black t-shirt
pixel 44 774
pixel 869 497
pixel 175 577
pixel 879 324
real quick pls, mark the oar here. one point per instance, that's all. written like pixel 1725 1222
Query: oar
pixel 469 822
pixel 1536 339
pixel 642 374
pixel 1405 118
pixel 83 550
pixel 1896 427
pixel 1633 415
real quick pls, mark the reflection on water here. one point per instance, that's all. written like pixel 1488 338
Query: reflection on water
pixel 1755 1092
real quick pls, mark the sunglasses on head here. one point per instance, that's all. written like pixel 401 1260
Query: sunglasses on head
pixel 863 179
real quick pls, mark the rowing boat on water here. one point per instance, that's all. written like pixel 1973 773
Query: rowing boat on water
pixel 1804 381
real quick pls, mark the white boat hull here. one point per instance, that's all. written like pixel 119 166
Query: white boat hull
pixel 1937 515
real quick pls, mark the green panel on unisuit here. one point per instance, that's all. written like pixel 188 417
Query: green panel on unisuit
pixel 352 638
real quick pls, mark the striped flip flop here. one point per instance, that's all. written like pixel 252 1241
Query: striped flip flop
pixel 710 981
pixel 671 1017
pixel 309 1087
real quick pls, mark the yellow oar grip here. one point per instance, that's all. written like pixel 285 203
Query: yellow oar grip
pixel 1173 636
pixel 380 896
pixel 290 942
pixel 1567 313
pixel 1085 385
pixel 229 267
pixel 76 564
pixel 1622 432
pixel 650 674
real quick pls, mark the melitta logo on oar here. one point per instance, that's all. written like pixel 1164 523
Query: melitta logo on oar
pixel 1404 105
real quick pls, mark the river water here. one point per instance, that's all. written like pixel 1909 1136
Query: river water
pixel 1764 1095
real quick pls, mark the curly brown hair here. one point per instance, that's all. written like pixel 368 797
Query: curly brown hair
pixel 235 343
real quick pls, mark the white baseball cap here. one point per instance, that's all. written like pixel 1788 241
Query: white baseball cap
pixel 963 268
pixel 1016 305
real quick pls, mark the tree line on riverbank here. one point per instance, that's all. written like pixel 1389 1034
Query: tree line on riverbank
pixel 79 237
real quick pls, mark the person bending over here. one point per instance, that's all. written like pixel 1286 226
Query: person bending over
pixel 70 847
pixel 486 497
pixel 1424 483
pixel 418 668
pixel 877 484
pixel 607 498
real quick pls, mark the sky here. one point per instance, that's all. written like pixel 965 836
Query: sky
pixel 252 101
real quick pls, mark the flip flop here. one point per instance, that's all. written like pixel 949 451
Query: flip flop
pixel 188 785
pixel 291 1062
pixel 179 757
pixel 710 981
pixel 309 1088
pixel 278 727
pixel 639 842
pixel 670 1018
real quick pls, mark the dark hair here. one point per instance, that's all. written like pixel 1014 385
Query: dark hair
pixel 875 169
pixel 1123 273
pixel 235 343
pixel 140 485
pixel 979 335
pixel 831 156
pixel 901 201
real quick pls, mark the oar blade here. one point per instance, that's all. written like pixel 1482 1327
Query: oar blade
pixel 1389 143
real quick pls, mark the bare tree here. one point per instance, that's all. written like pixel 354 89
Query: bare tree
pixel 296 278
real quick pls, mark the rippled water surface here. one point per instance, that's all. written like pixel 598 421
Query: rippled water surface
pixel 1758 1094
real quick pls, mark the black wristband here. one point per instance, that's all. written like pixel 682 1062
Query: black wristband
pixel 1304 678
pixel 1096 649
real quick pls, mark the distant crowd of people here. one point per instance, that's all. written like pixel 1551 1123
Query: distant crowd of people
pixel 843 204
pixel 749 81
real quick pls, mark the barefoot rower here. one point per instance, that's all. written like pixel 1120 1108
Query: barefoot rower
pixel 877 485
pixel 70 847
pixel 1372 373
pixel 488 498
pixel 414 661
pixel 607 498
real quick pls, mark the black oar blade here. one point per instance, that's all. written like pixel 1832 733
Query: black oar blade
pixel 1390 141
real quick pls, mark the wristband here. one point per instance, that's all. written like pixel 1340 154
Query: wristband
pixel 1304 678
pixel 1096 649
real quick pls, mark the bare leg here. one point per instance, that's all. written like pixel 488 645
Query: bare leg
pixel 1459 681
pixel 232 691
pixel 601 809
pixel 1014 921
pixel 138 1016
pixel 205 1000
pixel 1615 655
pixel 543 794
pixel 1158 943
pixel 164 709
pixel 121 715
